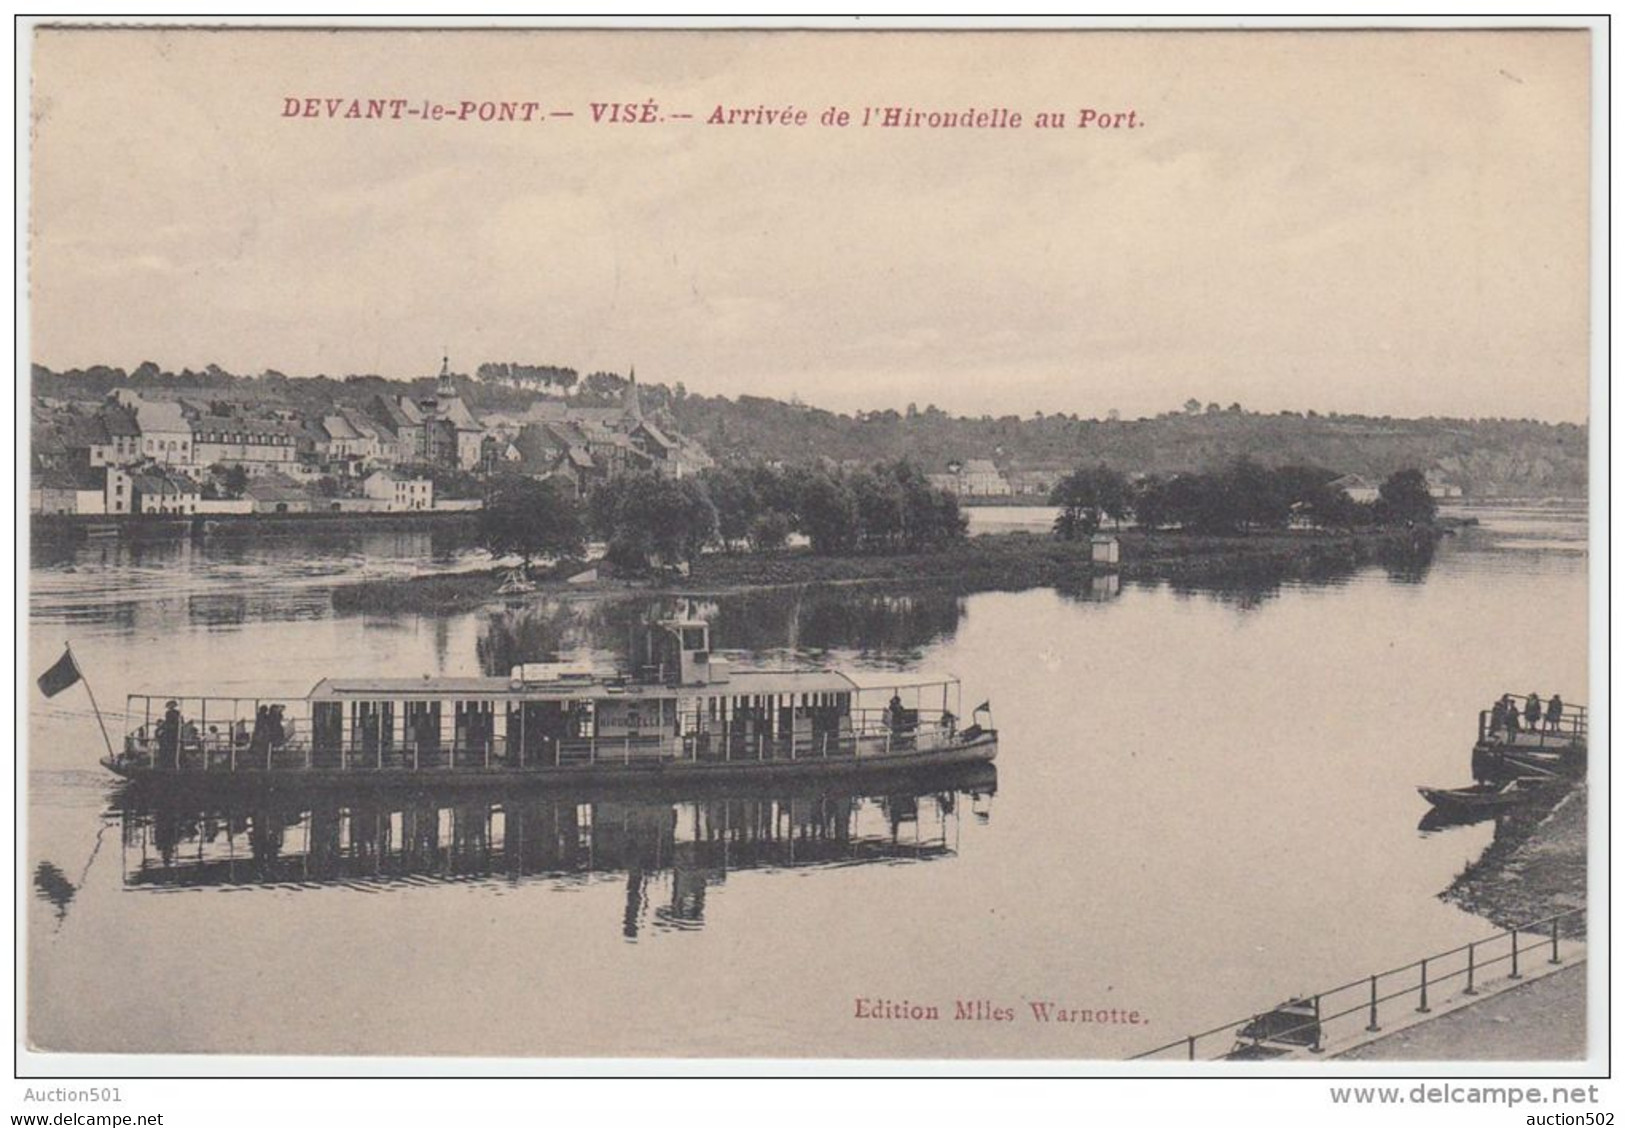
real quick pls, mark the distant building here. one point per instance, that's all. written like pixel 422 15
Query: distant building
pixel 53 492
pixel 440 430
pixel 276 493
pixel 123 438
pixel 558 451
pixel 976 477
pixel 616 438
pixel 1038 482
pixel 400 492
pixel 118 491
pixel 166 432
pixel 159 490
pixel 259 446
pixel 1440 488
pixel 400 423
pixel 1356 487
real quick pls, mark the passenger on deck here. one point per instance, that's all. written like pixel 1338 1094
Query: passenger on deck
pixel 948 722
pixel 239 734
pixel 190 740
pixel 1512 721
pixel 169 734
pixel 1498 716
pixel 261 740
pixel 1531 712
pixel 1554 713
pixel 276 735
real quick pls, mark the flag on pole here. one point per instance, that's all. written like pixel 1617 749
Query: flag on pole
pixel 984 707
pixel 60 676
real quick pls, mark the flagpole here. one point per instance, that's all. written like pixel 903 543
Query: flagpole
pixel 107 740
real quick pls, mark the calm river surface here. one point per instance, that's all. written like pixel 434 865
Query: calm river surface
pixel 1205 802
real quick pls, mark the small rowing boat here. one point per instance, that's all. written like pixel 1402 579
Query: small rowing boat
pixel 1480 798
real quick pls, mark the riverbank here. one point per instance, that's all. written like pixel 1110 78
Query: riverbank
pixel 1000 561
pixel 1535 867
pixel 71 529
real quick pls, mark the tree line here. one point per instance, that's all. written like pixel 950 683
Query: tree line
pixel 1243 496
pixel 646 520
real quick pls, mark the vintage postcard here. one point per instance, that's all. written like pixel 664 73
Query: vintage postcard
pixel 1040 545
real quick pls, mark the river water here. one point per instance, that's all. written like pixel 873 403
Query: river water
pixel 1204 803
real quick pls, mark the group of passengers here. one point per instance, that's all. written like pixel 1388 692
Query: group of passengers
pixel 1507 717
pixel 176 734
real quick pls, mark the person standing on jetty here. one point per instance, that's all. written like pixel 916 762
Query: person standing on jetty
pixel 1498 716
pixel 1554 713
pixel 1531 712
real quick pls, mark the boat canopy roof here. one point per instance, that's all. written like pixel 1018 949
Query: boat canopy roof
pixel 739 682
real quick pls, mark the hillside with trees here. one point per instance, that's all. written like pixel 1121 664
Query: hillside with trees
pixel 1486 457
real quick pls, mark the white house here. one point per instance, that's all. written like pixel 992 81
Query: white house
pixel 399 491
pixel 1356 487
pixel 978 477
pixel 166 432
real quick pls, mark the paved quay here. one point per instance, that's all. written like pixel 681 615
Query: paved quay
pixel 1541 1020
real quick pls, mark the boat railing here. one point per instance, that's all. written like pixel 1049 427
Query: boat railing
pixel 1303 1022
pixel 296 746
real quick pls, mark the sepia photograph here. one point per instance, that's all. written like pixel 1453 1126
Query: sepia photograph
pixel 1067 546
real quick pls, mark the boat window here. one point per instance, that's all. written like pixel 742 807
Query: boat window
pixel 693 638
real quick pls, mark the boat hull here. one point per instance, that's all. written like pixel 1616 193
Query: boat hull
pixel 1485 799
pixel 658 773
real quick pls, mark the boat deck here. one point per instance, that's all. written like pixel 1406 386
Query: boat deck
pixel 668 757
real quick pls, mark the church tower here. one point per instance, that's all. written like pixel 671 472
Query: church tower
pixel 629 398
pixel 445 389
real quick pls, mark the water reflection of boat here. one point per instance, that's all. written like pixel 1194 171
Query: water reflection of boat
pixel 679 714
pixel 378 838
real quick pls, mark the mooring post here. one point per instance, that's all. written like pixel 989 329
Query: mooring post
pixel 1514 974
pixel 1423 1008
pixel 1471 962
pixel 1371 1026
pixel 1314 1046
pixel 1190 1048
pixel 1555 957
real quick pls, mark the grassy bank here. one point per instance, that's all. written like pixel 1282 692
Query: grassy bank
pixel 1007 561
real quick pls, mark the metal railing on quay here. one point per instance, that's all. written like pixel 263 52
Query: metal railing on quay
pixel 1270 1033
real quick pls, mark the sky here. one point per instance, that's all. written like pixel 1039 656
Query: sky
pixel 1393 223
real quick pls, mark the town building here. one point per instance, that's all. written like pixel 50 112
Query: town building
pixel 399 491
pixel 160 490
pixel 259 446
pixel 166 432
pixel 438 430
pixel 53 491
pixel 1358 488
pixel 617 438
pixel 976 477
pixel 277 493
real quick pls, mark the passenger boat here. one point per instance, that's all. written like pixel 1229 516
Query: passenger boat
pixel 682 714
